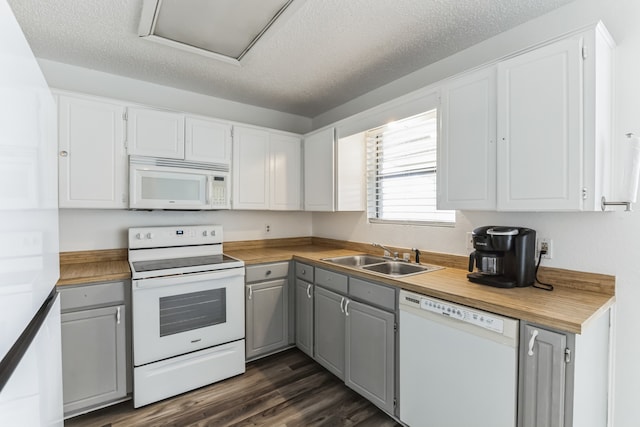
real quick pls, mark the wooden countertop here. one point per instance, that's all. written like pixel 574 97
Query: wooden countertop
pixel 578 298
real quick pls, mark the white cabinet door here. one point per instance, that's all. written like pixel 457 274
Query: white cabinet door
pixel 285 172
pixel 250 168
pixel 319 171
pixel 155 133
pixel 540 129
pixel 351 173
pixel 467 144
pixel 92 158
pixel 207 140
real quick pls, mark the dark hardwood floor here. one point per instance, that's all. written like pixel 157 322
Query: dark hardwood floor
pixel 286 389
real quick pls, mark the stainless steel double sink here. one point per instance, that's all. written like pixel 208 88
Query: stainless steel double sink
pixel 382 265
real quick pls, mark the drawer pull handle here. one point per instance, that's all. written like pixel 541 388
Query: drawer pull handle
pixel 309 290
pixel 268 272
pixel 532 341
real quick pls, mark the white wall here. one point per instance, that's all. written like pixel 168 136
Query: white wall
pixel 594 242
pixel 84 80
pixel 90 229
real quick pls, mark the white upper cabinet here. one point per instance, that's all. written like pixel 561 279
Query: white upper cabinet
pixel 155 133
pixel 266 169
pixel 207 140
pixel 334 172
pixel 286 172
pixel 539 140
pixel 319 171
pixel 467 144
pixel 554 125
pixel 92 158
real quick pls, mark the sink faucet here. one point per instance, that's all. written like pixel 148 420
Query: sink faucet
pixel 417 251
pixel 395 253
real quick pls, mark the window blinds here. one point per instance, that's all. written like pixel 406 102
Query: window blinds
pixel 401 171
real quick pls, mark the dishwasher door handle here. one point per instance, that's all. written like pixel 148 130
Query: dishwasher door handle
pixel 532 341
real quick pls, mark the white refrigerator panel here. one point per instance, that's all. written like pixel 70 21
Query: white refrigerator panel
pixel 30 389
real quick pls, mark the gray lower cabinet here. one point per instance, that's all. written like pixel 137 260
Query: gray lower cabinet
pixel 564 377
pixel 329 327
pixel 94 346
pixel 304 316
pixel 266 309
pixel 370 353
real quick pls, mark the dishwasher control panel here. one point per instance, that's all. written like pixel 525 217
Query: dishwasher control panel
pixel 463 314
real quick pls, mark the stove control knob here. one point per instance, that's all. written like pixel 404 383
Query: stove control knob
pixel 204 233
pixel 213 233
pixel 139 236
pixel 149 235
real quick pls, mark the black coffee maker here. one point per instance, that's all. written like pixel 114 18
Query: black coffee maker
pixel 504 256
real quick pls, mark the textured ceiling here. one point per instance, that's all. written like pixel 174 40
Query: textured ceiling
pixel 323 54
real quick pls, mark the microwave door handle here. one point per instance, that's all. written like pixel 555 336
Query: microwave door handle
pixel 209 189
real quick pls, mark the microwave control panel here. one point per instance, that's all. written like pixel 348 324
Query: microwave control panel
pixel 219 191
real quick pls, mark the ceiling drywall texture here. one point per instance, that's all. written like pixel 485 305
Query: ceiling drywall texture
pixel 325 53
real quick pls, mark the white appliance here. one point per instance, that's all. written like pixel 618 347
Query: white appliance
pixel 157 183
pixel 458 365
pixel 188 310
pixel 30 338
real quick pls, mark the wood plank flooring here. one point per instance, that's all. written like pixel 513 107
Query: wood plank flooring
pixel 286 389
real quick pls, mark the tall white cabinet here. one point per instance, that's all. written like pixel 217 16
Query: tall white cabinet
pixel 267 169
pixel 92 159
pixel 539 140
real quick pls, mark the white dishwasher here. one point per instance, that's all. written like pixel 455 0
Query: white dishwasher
pixel 458 365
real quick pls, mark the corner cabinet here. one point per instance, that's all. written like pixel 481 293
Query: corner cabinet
pixel 564 378
pixel 266 309
pixel 95 346
pixel 267 170
pixel 334 172
pixel 548 148
pixel 92 159
pixel 304 290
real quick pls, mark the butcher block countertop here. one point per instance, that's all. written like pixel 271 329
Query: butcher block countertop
pixel 578 298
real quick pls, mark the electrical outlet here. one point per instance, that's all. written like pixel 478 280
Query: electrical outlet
pixel 545 244
pixel 267 228
pixel 469 240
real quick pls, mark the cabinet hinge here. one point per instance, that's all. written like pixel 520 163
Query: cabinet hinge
pixel 125 116
pixel 584 52
pixel 395 326
pixel 231 133
pixel 567 355
pixel 585 193
pixel 395 402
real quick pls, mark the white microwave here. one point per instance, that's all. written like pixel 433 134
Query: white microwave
pixel 156 183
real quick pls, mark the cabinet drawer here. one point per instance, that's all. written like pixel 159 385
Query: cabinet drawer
pixel 331 280
pixel 256 273
pixel 380 295
pixel 100 294
pixel 304 271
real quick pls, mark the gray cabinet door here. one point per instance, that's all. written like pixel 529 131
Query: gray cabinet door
pixel 370 353
pixel 304 316
pixel 542 380
pixel 329 326
pixel 267 318
pixel 93 357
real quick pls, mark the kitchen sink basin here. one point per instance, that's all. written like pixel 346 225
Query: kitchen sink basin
pixel 381 265
pixel 399 268
pixel 356 260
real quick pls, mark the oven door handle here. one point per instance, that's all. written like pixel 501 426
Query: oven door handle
pixel 155 282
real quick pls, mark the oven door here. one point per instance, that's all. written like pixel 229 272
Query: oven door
pixel 183 313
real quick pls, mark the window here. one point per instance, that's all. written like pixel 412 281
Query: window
pixel 401 172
